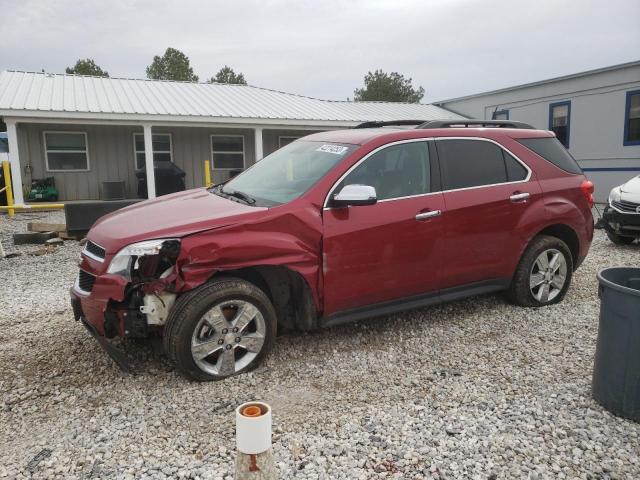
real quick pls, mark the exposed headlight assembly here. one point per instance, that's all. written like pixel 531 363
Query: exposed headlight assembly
pixel 127 259
pixel 614 195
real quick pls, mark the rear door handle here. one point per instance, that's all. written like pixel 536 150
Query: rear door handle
pixel 425 215
pixel 519 197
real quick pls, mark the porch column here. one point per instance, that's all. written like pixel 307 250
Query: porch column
pixel 148 161
pixel 14 158
pixel 258 142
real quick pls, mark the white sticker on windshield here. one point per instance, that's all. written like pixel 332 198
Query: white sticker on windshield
pixel 337 149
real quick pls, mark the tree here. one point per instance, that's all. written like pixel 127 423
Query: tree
pixel 87 66
pixel 173 65
pixel 388 87
pixel 227 75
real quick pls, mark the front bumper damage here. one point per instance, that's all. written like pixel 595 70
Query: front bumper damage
pixel 116 354
pixel 110 309
pixel 625 224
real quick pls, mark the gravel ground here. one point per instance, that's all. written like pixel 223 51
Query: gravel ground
pixel 474 389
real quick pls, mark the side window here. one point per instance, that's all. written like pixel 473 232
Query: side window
pixel 552 150
pixel 470 163
pixel 515 171
pixel 397 171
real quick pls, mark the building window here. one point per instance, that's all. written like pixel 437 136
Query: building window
pixel 632 119
pixel 500 115
pixel 560 121
pixel 285 140
pixel 161 146
pixel 227 152
pixel 66 151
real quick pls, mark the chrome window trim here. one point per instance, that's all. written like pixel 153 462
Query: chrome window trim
pixel 431 139
pixel 91 255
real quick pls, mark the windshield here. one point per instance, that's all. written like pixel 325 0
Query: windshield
pixel 287 173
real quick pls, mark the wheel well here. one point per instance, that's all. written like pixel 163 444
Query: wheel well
pixel 287 290
pixel 568 236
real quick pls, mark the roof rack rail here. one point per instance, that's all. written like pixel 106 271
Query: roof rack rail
pixel 376 124
pixel 471 123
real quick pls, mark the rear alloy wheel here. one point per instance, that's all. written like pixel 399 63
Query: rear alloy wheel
pixel 543 274
pixel 221 329
pixel 548 275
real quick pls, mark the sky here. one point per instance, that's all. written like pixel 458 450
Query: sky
pixel 323 49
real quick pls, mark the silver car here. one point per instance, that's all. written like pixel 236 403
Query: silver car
pixel 621 217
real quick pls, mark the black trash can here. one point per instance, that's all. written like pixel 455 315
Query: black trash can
pixel 616 371
pixel 169 179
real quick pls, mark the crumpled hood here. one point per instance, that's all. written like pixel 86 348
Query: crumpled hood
pixel 630 191
pixel 169 216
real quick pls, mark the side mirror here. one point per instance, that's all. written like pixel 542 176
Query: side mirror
pixel 354 195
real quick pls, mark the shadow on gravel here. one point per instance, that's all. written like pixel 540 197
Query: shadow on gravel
pixel 147 357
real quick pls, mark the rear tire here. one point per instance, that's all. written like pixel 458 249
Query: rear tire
pixel 223 328
pixel 543 275
pixel 619 239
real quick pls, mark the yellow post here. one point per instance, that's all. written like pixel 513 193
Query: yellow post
pixel 34 206
pixel 6 172
pixel 207 174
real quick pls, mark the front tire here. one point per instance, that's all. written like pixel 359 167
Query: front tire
pixel 223 328
pixel 543 274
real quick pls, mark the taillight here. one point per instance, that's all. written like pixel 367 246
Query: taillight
pixel 587 190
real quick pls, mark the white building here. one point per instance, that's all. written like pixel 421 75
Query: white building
pixel 85 131
pixel 596 114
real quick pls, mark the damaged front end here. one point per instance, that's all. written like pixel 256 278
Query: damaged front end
pixel 131 297
pixel 131 293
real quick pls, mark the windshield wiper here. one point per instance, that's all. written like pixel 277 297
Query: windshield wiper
pixel 241 195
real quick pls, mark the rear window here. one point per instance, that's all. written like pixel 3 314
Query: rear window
pixel 552 150
pixel 470 163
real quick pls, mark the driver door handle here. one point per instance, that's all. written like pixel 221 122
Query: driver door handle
pixel 425 215
pixel 519 197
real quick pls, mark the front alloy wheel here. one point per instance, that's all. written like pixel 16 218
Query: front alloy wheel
pixel 228 337
pixel 220 329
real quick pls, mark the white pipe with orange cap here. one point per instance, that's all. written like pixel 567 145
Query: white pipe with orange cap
pixel 253 441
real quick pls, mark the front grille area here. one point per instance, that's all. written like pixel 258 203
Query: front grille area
pixel 624 206
pixel 85 281
pixel 95 249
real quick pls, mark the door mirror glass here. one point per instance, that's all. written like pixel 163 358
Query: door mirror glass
pixel 354 195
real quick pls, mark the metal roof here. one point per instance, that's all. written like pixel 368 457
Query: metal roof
pixel 543 82
pixel 75 96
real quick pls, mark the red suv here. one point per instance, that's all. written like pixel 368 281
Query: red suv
pixel 335 227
